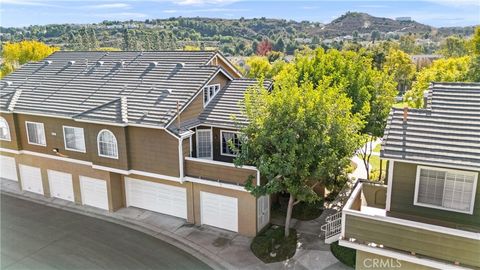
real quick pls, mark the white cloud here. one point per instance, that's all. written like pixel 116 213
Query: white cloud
pixel 205 10
pixel 456 3
pixel 26 3
pixel 201 2
pixel 112 5
pixel 121 15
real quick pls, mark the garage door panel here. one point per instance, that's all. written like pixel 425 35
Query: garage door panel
pixel 165 199
pixel 219 211
pixel 61 185
pixel 94 192
pixel 31 178
pixel 8 168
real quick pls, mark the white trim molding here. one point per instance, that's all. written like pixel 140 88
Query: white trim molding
pixel 210 130
pixel 390 184
pixel 214 183
pixel 28 135
pixel 433 164
pixel 97 167
pixel 221 142
pixel 114 140
pixel 404 222
pixel 472 198
pixel 400 256
pixel 7 126
pixel 216 88
pixel 84 150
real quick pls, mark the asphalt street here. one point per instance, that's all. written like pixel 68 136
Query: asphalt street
pixel 35 236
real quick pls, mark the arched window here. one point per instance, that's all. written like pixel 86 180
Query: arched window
pixel 107 144
pixel 4 130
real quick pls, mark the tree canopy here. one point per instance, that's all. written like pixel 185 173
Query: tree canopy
pixel 19 53
pixel 298 136
pixel 455 69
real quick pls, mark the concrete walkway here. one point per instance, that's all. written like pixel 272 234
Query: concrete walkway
pixel 218 248
pixel 361 172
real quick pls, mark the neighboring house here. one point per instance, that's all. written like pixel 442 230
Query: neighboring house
pixel 428 214
pixel 102 129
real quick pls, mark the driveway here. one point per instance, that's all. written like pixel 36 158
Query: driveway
pixel 35 236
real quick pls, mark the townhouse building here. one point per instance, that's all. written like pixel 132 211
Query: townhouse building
pixel 132 129
pixel 427 216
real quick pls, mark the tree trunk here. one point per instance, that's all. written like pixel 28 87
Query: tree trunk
pixel 289 215
pixel 380 175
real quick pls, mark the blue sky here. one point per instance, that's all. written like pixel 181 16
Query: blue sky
pixel 432 12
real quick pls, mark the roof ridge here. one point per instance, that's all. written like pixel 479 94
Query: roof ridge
pixel 14 100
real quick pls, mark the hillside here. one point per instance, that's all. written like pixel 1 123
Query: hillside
pixel 365 23
pixel 231 36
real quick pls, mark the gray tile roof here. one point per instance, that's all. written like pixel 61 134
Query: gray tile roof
pixel 227 104
pixel 446 132
pixel 92 87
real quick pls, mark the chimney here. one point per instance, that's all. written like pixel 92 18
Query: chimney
pixel 405 114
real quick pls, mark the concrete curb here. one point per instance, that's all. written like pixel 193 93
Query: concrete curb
pixel 204 255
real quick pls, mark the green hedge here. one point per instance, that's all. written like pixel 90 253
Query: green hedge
pixel 344 254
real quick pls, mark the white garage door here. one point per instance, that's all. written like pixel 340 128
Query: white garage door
pixel 8 170
pixel 31 178
pixel 156 197
pixel 94 192
pixel 61 185
pixel 219 211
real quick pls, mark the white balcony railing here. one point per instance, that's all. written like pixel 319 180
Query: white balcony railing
pixel 333 227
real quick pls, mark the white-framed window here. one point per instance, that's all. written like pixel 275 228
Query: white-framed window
pixel 446 189
pixel 204 143
pixel 107 144
pixel 4 130
pixel 35 133
pixel 74 139
pixel 209 92
pixel 226 137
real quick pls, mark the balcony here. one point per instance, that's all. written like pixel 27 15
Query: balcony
pixel 221 172
pixel 366 223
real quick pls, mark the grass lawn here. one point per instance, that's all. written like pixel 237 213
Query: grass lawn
pixel 273 242
pixel 344 254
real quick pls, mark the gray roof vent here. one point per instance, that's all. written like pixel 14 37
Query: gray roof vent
pixel 8 83
pixel 48 62
pixel 71 63
pixel 180 65
pixel 99 63
pixel 153 64
pixel 121 63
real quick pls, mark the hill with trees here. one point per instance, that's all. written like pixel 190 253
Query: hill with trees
pixel 231 36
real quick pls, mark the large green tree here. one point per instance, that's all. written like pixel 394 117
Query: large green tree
pixel 298 136
pixel 455 69
pixel 400 66
pixel 453 46
pixel 372 91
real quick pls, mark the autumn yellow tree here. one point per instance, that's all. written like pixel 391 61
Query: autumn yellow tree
pixel 19 53
pixel 455 69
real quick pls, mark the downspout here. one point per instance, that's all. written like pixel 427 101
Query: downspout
pixel 180 158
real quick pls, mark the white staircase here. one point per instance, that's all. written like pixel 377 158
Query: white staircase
pixel 333 227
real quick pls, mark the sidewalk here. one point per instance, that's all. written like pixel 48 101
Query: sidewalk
pixel 218 248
